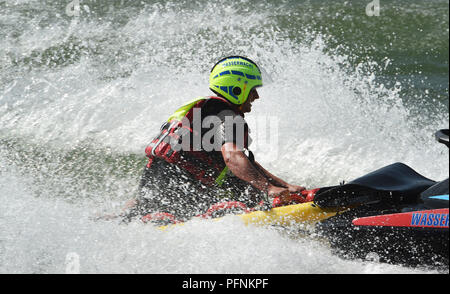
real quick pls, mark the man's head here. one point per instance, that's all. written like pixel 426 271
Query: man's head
pixel 234 78
pixel 247 105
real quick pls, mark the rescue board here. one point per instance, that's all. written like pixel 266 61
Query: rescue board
pixel 307 213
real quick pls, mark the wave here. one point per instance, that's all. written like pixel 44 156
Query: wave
pixel 80 97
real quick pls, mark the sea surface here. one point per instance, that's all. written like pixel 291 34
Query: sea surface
pixel 85 85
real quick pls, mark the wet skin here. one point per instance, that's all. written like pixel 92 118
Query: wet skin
pixel 252 96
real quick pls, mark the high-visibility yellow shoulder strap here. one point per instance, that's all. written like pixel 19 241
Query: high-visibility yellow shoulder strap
pixel 181 112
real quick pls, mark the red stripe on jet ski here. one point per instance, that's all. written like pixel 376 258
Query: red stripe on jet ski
pixel 435 218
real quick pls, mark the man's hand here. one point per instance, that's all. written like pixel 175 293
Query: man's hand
pixel 281 192
pixel 295 188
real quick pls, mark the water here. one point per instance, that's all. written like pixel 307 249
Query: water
pixel 80 97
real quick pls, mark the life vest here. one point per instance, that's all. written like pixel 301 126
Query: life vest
pixel 167 145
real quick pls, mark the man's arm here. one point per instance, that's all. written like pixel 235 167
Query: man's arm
pixel 277 181
pixel 242 168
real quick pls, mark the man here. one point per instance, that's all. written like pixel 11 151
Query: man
pixel 198 162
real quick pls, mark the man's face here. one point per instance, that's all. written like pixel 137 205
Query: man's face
pixel 252 96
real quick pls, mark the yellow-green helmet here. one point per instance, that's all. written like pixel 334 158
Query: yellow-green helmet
pixel 233 77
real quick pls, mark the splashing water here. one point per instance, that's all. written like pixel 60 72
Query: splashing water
pixel 80 97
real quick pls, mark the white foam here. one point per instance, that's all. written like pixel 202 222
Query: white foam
pixel 335 125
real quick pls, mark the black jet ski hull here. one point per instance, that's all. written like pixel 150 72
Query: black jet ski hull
pixel 411 244
pixel 396 215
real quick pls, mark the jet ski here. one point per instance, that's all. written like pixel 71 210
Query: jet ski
pixel 397 216
pixel 392 214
